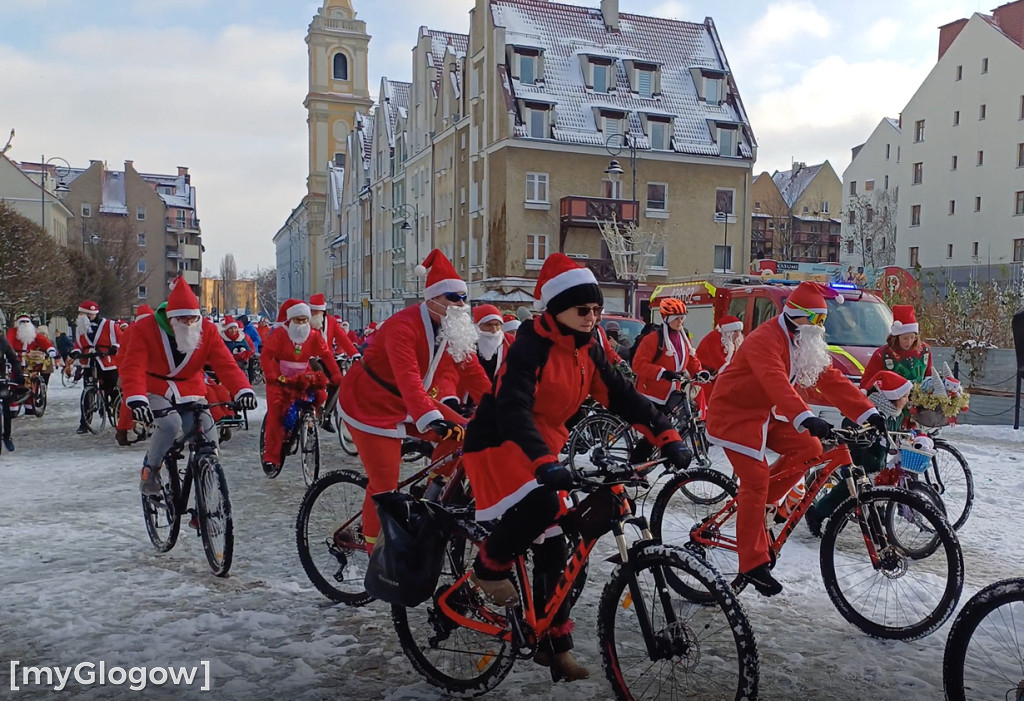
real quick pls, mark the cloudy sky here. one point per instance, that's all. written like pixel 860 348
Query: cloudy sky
pixel 217 85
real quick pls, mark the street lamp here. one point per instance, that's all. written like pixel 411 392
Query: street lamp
pixel 724 217
pixel 615 145
pixel 333 258
pixel 94 239
pixel 403 210
pixel 61 187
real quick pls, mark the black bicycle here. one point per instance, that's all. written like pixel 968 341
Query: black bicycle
pixel 211 514
pixel 97 409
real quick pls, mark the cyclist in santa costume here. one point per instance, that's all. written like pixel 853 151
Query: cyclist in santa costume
pixel 94 334
pixel 755 407
pixel 125 422
pixel 329 327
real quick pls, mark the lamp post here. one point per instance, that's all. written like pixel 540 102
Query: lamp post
pixel 333 258
pixel 615 145
pixel 61 187
pixel 403 210
pixel 724 217
pixel 94 239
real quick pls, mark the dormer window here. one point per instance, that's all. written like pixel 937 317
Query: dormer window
pixel 526 64
pixel 611 122
pixel 659 133
pixel 711 84
pixel 537 118
pixel 527 69
pixel 728 140
pixel 602 75
pixel 713 90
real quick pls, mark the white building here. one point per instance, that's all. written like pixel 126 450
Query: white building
pixel 870 199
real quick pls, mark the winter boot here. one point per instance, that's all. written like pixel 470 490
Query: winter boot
pixel 150 482
pixel 8 444
pixel 500 591
pixel 327 425
pixel 762 580
pixel 565 667
pixel 122 437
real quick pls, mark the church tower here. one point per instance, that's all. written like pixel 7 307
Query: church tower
pixel 338 88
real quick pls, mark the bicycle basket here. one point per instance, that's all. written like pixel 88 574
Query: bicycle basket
pixel 931 418
pixel 406 560
pixel 593 517
pixel 916 461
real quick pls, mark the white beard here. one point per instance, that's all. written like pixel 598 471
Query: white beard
pixel 316 321
pixel 83 323
pixel 810 355
pixel 298 333
pixel 27 332
pixel 489 343
pixel 458 329
pixel 730 342
pixel 187 337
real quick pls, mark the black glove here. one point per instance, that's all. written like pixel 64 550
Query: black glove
pixel 703 376
pixel 671 375
pixel 141 411
pixel 448 430
pixel 623 364
pixel 453 404
pixel 877 422
pixel 819 428
pixel 678 454
pixel 112 352
pixel 554 475
pixel 246 401
pixel 75 354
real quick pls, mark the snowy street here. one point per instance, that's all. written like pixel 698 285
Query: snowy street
pixel 80 582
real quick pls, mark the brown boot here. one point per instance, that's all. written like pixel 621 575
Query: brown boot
pixel 564 666
pixel 500 591
pixel 122 437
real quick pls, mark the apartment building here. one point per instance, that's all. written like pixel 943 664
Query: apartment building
pixel 871 196
pixel 794 214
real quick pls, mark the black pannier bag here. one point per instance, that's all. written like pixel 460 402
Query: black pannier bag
pixel 407 558
pixel 593 517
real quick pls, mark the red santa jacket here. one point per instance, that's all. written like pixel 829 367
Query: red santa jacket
pixel 149 365
pixel 466 386
pixel 389 388
pixel 282 358
pixel 656 354
pixel 41 343
pixel 758 386
pixel 101 336
pixel 337 339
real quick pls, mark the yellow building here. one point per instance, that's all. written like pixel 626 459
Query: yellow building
pixel 212 297
pixel 795 214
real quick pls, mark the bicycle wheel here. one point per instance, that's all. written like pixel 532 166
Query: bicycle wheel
pixel 38 390
pixel 686 501
pixel 309 448
pixel 93 413
pixel 903 598
pixel 699 651
pixel 113 406
pixel 984 656
pixel 329 537
pixel 601 431
pixel 257 374
pixel 214 511
pixel 900 520
pixel 2 403
pixel 952 479
pixel 344 436
pixel 459 660
pixel 161 513
pixel 67 379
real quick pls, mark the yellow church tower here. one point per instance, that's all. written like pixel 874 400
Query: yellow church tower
pixel 338 87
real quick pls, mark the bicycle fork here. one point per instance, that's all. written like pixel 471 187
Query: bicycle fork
pixel 867 517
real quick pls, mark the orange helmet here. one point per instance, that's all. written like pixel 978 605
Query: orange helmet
pixel 671 307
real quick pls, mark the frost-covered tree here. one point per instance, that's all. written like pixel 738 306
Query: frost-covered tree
pixel 870 226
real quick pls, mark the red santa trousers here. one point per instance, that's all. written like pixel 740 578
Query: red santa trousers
pixel 761 484
pixel 278 400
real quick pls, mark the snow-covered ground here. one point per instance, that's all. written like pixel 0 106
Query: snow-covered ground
pixel 79 582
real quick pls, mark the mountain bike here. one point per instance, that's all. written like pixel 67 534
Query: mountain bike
pixel 344 436
pixel 37 365
pixel 70 374
pixel 890 561
pixel 329 526
pixel 303 438
pixel 98 409
pixel 211 514
pixel 984 656
pixel 951 477
pixel 653 643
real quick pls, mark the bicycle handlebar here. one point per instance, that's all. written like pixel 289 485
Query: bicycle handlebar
pixel 191 406
pixel 612 471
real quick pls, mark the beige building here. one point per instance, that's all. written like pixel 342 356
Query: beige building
pixel 212 296
pixel 795 214
pixel 20 189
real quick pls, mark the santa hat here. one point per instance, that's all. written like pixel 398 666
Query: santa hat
pixel 291 309
pixel 143 311
pixel 182 301
pixel 317 302
pixel 891 385
pixel 24 318
pixel 511 326
pixel 89 307
pixel 228 321
pixel 509 316
pixel 904 320
pixel 811 297
pixel 485 313
pixel 344 324
pixel 370 328
pixel 728 324
pixel 564 283
pixel 441 278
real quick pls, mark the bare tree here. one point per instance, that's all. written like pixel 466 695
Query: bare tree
pixel 779 226
pixel 106 269
pixel 870 225
pixel 33 277
pixel 266 291
pixel 228 277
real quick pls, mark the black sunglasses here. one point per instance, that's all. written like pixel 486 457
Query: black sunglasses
pixel 584 311
pixel 455 296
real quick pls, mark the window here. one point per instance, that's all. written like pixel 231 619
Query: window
pixel 657 196
pixel 984 65
pixel 645 83
pixel 726 141
pixel 806 209
pixel 824 208
pixel 602 75
pixel 142 238
pixel 340 66
pixel 867 246
pixel 1021 107
pixel 611 189
pixel 852 217
pixel 952 206
pixel 537 126
pixel 140 213
pixel 86 210
pixel 949 250
pixel 660 134
pixel 142 292
pixel 612 124
pixel 1018 199
pixel 142 265
pixel 982 111
pixel 757 206
pixel 527 69
pixel 915 215
pixel 954 163
pixel 898 153
pixel 849 246
pixel 659 258
pixel 918 173
pixel 723 258
pixel 1018 250
pixel 869 214
pixel 977 204
pixel 869 185
pixel 764 310
pixel 887 183
pixel 537 187
pixel 956 118
pixel 853 188
pixel 919 130
pixel 713 90
pixel 981 158
pixel 1020 155
pixel 913 256
pixel 887 149
pixel 974 249
pixel 724 198
pixel 536 247
pixel 959 72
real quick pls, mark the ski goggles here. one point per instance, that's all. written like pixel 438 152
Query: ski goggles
pixel 816 318
pixel 455 297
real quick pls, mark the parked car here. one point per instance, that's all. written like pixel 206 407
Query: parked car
pixel 629 327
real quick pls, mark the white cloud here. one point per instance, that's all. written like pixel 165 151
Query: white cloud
pixel 881 34
pixel 672 9
pixel 783 22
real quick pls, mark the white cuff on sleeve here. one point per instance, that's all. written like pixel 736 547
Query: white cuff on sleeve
pixel 426 419
pixel 800 419
pixel 864 417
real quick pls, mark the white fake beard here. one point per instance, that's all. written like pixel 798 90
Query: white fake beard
pixel 316 321
pixel 83 323
pixel 489 343
pixel 27 332
pixel 458 329
pixel 298 333
pixel 810 355
pixel 730 342
pixel 187 336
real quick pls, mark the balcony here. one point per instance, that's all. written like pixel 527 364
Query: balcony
pixel 398 256
pixel 603 268
pixel 813 238
pixel 190 251
pixel 182 224
pixel 590 212
pixel 173 252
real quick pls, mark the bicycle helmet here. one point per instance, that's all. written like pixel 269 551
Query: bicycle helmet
pixel 672 307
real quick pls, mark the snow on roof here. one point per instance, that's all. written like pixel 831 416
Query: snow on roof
pixel 895 123
pixel 365 136
pixel 792 183
pixel 440 42
pixel 565 32
pixel 336 174
pixel 396 104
